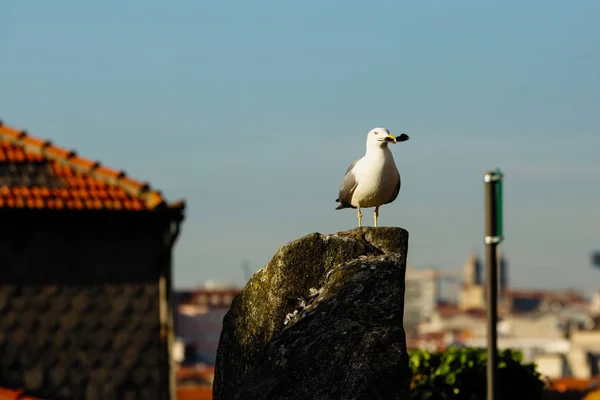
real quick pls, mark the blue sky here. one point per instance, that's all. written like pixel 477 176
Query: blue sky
pixel 252 111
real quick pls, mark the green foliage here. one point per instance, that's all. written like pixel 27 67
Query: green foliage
pixel 460 373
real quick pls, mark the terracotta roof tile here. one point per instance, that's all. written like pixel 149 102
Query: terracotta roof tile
pixel 569 383
pixel 14 134
pixel 58 153
pixel 36 174
pixel 33 144
pixel 83 164
pixel 6 394
pixel 194 393
pixel 133 187
pixel 202 373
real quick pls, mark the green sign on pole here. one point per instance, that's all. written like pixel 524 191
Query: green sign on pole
pixel 494 217
pixel 499 220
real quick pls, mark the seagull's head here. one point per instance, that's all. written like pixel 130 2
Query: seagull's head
pixel 380 137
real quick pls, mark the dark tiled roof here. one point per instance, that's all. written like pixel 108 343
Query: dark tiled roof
pixel 36 174
pixel 76 342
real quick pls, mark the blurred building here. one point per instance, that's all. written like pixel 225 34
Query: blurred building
pixel 554 329
pixel 473 270
pixel 502 274
pixel 520 301
pixel 199 319
pixel 595 304
pixel 449 318
pixel 557 329
pixel 420 297
pixel 472 291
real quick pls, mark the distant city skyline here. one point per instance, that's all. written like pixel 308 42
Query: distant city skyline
pixel 252 112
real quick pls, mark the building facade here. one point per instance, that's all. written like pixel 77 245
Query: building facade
pixel 420 297
pixel 85 278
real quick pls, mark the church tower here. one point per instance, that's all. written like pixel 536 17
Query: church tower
pixel 472 288
pixel 472 270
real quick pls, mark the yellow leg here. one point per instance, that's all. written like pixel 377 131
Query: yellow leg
pixel 359 218
pixel 375 214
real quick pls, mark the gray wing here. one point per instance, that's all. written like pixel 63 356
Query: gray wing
pixel 347 188
pixel 395 194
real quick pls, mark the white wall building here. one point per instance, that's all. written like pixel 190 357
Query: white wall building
pixel 420 297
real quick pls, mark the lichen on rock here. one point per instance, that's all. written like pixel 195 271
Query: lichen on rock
pixel 322 320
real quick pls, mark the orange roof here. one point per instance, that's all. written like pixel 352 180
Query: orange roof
pixel 202 373
pixel 6 394
pixel 448 308
pixel 36 174
pixel 569 383
pixel 194 393
pixel 593 395
pixel 451 310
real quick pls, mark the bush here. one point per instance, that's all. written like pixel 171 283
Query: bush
pixel 460 373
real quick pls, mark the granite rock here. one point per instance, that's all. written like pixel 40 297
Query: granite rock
pixel 322 320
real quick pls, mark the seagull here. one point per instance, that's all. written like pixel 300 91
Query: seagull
pixel 373 180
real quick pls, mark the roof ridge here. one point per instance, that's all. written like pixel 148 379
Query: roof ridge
pixel 119 178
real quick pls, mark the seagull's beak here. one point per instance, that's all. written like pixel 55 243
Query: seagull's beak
pixel 390 138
